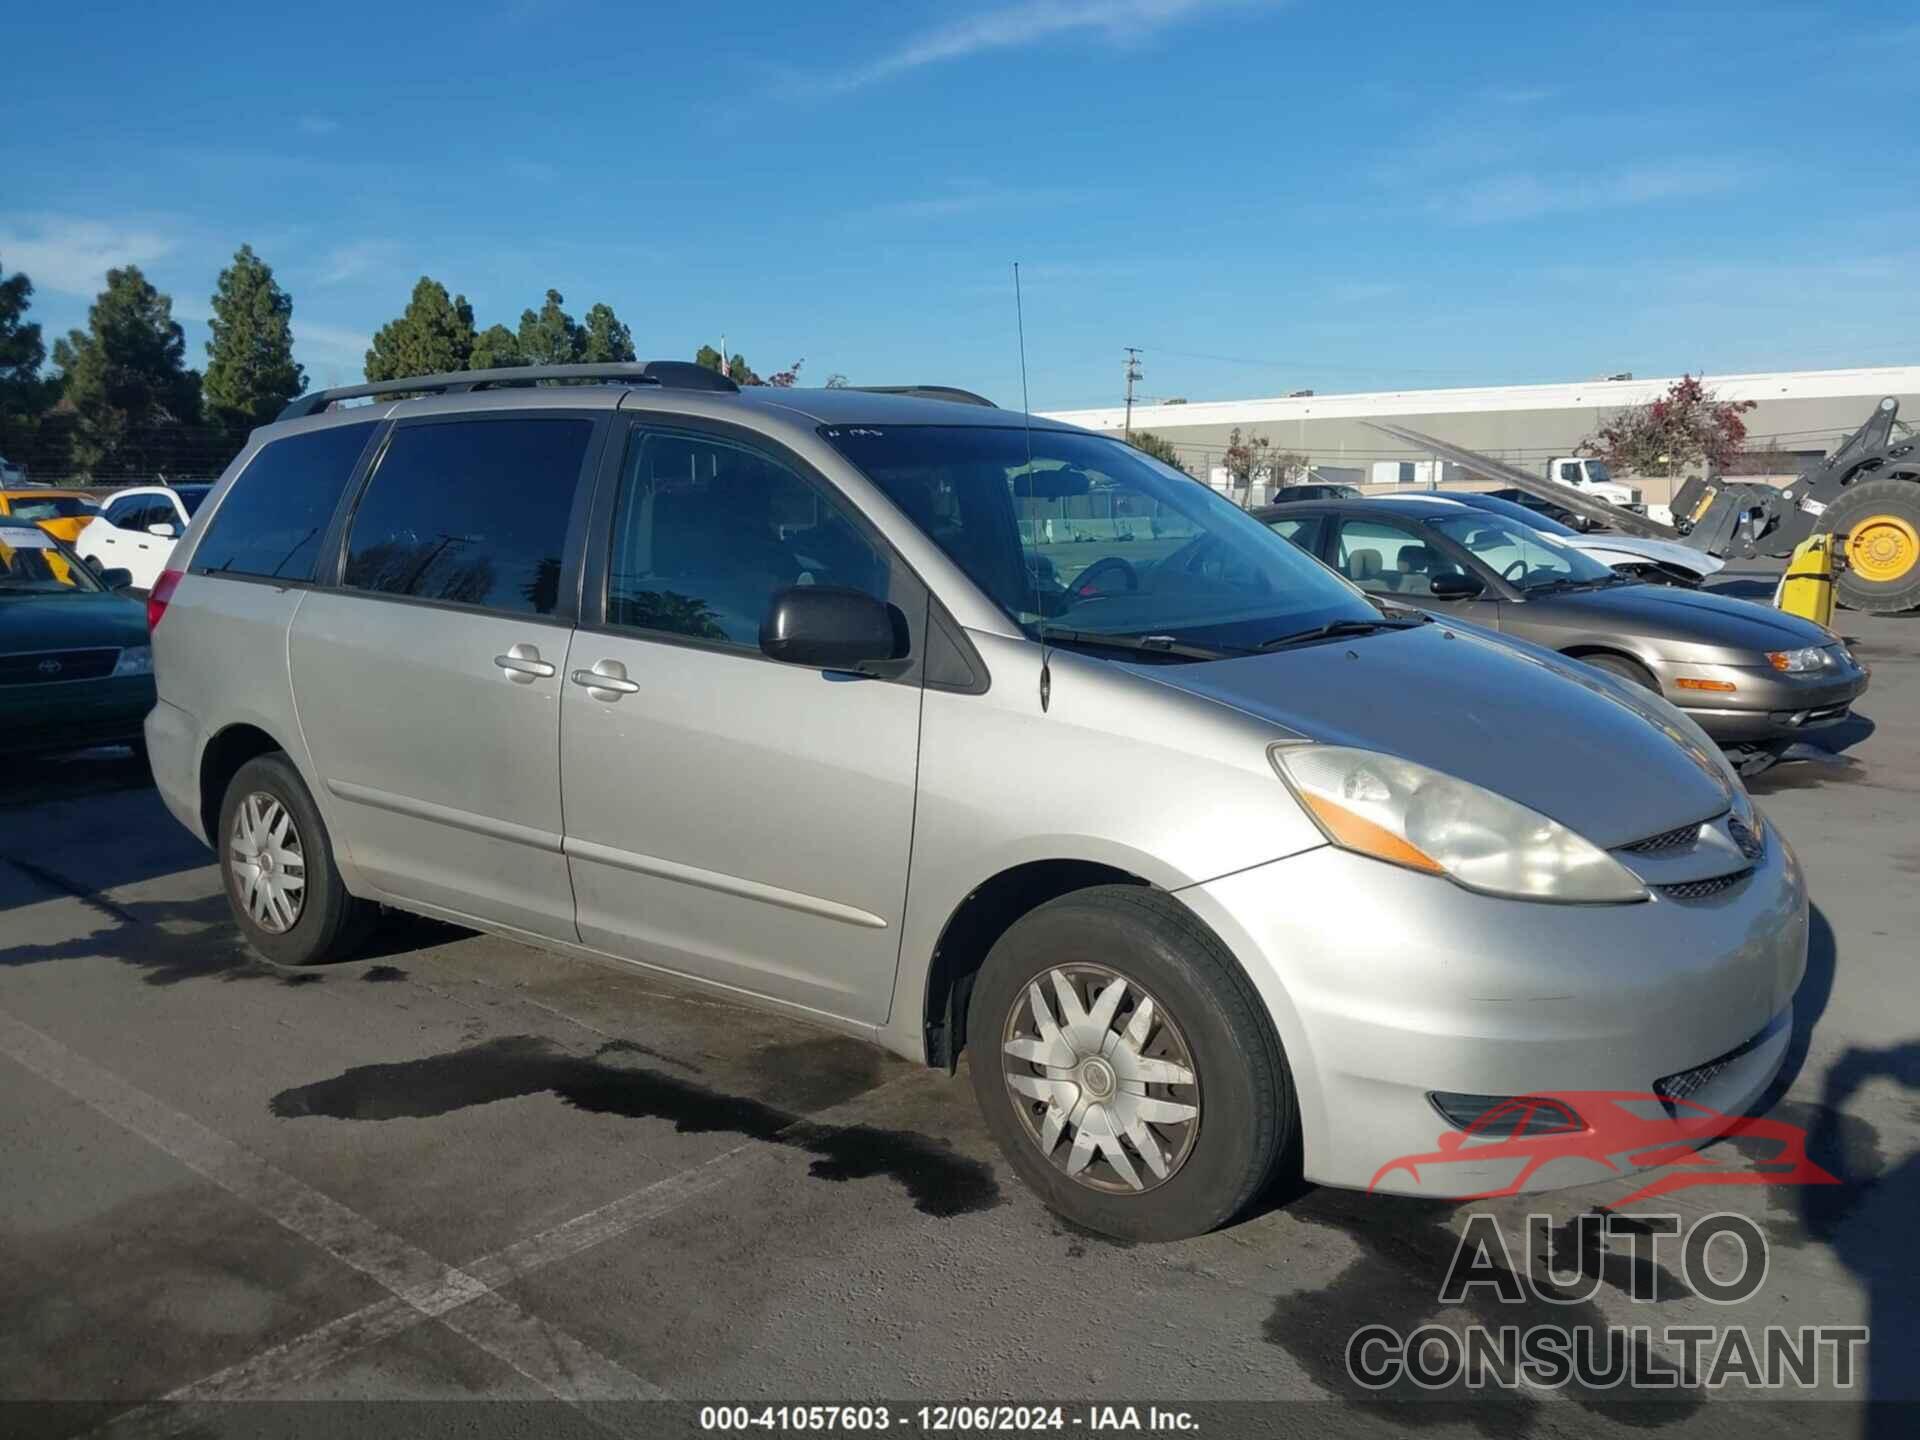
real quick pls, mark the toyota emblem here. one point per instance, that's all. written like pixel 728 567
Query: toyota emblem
pixel 51 667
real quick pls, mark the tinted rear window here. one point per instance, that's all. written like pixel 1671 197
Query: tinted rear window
pixel 271 522
pixel 470 512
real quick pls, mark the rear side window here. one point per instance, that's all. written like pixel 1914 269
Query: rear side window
pixel 470 512
pixel 271 521
pixel 1302 530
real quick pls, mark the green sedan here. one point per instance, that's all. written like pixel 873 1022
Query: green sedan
pixel 76 668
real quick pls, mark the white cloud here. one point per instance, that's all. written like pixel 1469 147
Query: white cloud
pixel 71 256
pixel 317 124
pixel 972 198
pixel 333 354
pixel 350 262
pixel 1118 22
pixel 1498 199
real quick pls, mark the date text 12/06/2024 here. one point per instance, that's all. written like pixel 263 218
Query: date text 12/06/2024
pixel 947 1419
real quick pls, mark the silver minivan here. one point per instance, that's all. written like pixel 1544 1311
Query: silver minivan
pixel 961 730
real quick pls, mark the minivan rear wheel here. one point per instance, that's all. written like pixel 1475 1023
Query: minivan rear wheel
pixel 1126 1067
pixel 277 861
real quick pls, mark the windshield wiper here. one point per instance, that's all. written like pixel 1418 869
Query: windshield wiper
pixel 1333 629
pixel 1146 644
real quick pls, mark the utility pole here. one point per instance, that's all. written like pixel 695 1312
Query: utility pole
pixel 1133 374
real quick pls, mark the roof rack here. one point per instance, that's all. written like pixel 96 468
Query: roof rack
pixel 929 392
pixel 672 374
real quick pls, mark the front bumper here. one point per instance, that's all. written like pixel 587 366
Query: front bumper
pixel 72 716
pixel 1764 704
pixel 1387 986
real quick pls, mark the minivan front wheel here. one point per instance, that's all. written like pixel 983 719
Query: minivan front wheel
pixel 1125 1065
pixel 277 861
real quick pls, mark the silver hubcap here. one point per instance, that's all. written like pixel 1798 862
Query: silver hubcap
pixel 1102 1079
pixel 269 867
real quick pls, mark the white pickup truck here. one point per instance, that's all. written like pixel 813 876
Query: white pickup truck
pixel 1593 477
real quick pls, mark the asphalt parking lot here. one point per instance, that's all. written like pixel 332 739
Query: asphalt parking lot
pixel 487 1180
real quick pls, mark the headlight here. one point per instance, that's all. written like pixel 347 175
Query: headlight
pixel 1804 661
pixel 1393 810
pixel 134 660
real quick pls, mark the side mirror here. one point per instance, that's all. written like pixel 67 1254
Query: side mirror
pixel 827 627
pixel 116 579
pixel 1453 586
pixel 92 562
pixel 164 530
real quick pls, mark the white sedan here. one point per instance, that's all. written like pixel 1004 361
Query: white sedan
pixel 136 530
pixel 1663 562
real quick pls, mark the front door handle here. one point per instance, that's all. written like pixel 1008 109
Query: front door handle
pixel 523 664
pixel 607 680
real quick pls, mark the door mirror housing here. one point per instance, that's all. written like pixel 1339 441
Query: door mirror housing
pixel 1453 586
pixel 115 579
pixel 828 627
pixel 164 530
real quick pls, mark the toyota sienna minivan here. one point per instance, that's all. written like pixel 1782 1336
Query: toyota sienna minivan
pixel 960 731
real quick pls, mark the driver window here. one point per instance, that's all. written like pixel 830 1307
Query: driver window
pixel 706 531
pixel 1388 560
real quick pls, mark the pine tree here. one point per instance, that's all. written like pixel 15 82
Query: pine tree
pixel 605 338
pixel 496 349
pixel 433 335
pixel 23 394
pixel 125 376
pixel 550 337
pixel 251 372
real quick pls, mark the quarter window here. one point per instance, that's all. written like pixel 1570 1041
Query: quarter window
pixel 470 512
pixel 1302 530
pixel 272 518
pixel 706 531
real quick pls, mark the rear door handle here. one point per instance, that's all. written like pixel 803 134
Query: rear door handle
pixel 523 664
pixel 607 680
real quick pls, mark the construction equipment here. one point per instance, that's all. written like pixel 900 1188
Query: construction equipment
pixel 1806 589
pixel 1866 494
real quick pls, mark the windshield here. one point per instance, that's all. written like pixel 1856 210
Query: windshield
pixel 1520 554
pixel 32 563
pixel 52 507
pixel 1096 537
pixel 1598 471
pixel 192 495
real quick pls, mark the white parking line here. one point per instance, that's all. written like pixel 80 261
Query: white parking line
pixel 565 1367
pixel 465 1298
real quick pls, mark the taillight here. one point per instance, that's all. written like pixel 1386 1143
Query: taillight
pixel 160 594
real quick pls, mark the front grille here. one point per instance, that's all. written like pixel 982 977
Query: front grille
pixel 53 667
pixel 1703 889
pixel 1683 837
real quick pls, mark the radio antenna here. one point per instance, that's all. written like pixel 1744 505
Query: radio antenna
pixel 1033 522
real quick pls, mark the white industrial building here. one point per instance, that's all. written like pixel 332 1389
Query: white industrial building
pixel 1799 415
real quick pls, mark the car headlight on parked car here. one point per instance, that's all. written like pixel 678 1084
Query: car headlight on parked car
pixel 1394 810
pixel 134 660
pixel 1807 660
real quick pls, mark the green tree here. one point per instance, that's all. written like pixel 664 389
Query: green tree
pixel 23 394
pixel 708 357
pixel 433 335
pixel 551 336
pixel 496 348
pixel 606 339
pixel 251 372
pixel 1158 446
pixel 133 398
pixel 1683 427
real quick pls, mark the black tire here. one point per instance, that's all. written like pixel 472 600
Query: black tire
pixel 1247 1112
pixel 1899 499
pixel 330 923
pixel 1621 666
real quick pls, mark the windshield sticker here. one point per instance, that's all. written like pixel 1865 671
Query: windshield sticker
pixel 27 540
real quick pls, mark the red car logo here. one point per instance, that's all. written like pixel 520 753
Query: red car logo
pixel 1623 1131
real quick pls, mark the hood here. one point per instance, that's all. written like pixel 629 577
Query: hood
pixel 1689 617
pixel 1550 733
pixel 1634 547
pixel 76 620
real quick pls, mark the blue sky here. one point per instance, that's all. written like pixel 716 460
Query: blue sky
pixel 1262 196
